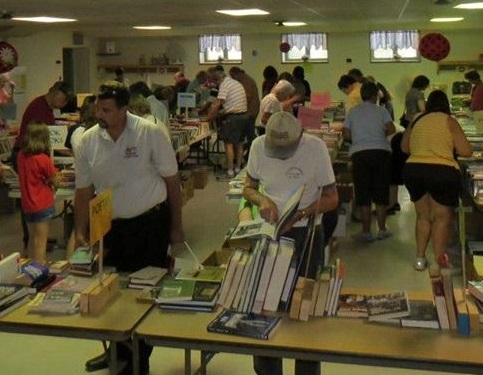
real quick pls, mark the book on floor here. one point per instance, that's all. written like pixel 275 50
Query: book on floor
pixel 259 227
pixel 422 314
pixel 387 306
pixel 251 325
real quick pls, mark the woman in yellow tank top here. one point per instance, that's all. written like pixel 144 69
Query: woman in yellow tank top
pixel 432 175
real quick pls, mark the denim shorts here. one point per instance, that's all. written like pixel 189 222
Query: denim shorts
pixel 39 216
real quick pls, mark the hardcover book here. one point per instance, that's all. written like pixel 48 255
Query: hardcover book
pixel 172 290
pixel 423 315
pixel 256 228
pixel 252 325
pixel 147 276
pixel 387 306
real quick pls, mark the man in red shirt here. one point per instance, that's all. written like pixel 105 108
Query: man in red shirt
pixel 40 110
pixel 477 90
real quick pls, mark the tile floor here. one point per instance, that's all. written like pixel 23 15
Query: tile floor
pixel 387 263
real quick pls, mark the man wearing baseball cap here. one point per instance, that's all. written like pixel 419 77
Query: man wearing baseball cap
pixel 281 161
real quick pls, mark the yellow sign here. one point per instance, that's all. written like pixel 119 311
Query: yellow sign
pixel 100 215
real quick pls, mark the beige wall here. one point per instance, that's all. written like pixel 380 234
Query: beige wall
pixel 39 53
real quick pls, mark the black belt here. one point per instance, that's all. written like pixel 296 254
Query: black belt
pixel 152 210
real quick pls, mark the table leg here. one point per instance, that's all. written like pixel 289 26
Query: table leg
pixel 135 355
pixel 187 362
pixel 113 358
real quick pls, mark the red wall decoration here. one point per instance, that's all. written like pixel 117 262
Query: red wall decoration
pixel 284 47
pixel 8 57
pixel 434 46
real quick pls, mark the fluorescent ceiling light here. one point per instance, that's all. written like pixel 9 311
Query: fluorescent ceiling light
pixel 154 27
pixel 447 19
pixel 243 12
pixel 44 19
pixel 469 6
pixel 292 24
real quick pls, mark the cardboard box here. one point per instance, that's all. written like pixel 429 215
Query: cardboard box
pixel 97 295
pixel 218 258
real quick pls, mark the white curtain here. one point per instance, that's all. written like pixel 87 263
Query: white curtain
pixel 394 39
pixel 306 40
pixel 220 42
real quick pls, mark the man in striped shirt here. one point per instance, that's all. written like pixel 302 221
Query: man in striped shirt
pixel 231 107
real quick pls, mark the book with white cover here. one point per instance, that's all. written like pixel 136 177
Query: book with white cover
pixel 279 274
pixel 9 267
pixel 228 278
pixel 235 285
pixel 265 276
pixel 255 277
pixel 259 227
pixel 147 276
pixel 243 282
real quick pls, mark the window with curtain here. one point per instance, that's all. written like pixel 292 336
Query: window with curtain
pixel 220 48
pixel 400 45
pixel 305 47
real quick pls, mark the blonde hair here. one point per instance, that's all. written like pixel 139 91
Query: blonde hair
pixel 36 139
pixel 139 105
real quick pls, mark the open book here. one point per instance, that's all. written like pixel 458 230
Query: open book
pixel 259 227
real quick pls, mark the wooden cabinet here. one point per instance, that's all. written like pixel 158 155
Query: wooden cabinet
pixel 464 64
pixel 136 68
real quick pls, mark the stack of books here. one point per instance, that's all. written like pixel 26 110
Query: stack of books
pixel 191 295
pixel 146 277
pixel 55 301
pixel 84 261
pixel 12 296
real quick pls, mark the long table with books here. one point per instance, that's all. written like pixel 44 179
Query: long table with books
pixel 116 322
pixel 329 339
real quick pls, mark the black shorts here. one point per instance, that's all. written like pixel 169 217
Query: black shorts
pixel 371 170
pixel 140 241
pixel 234 128
pixel 442 182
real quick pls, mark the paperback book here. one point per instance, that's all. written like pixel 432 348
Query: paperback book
pixel 387 306
pixel 352 306
pixel 251 325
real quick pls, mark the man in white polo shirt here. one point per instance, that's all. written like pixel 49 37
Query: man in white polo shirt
pixel 133 157
pixel 234 120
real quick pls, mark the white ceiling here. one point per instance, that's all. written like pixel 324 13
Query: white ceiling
pixel 111 18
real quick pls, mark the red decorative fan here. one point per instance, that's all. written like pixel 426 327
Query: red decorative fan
pixel 8 57
pixel 434 46
pixel 284 47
